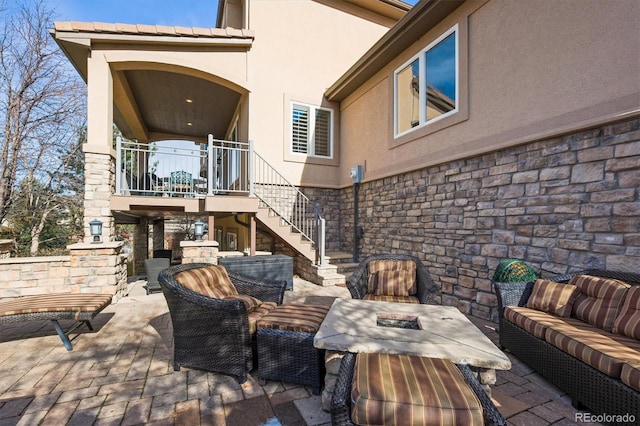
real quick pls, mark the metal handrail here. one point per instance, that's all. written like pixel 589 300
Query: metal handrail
pixel 220 167
pixel 284 198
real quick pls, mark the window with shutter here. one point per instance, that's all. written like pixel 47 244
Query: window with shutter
pixel 311 130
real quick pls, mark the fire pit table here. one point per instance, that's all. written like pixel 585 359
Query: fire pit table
pixel 432 331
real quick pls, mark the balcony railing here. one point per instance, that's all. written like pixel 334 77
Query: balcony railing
pixel 217 168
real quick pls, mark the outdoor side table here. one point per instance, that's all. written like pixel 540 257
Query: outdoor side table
pixel 285 345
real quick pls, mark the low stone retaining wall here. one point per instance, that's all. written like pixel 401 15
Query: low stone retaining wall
pixel 90 268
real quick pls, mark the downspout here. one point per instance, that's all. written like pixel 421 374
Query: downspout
pixel 356 253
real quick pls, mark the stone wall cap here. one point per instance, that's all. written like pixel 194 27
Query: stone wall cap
pixel 203 243
pixel 35 259
pixel 96 246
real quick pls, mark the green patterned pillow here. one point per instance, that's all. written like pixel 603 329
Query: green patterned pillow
pixel 514 270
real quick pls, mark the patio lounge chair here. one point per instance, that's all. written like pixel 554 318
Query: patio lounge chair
pixel 367 280
pixel 154 267
pixel 214 320
pixel 80 307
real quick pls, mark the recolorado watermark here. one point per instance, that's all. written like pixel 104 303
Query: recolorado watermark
pixel 605 418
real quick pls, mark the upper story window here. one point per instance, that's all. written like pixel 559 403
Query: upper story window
pixel 311 130
pixel 426 87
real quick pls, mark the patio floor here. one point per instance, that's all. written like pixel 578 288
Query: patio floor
pixel 121 374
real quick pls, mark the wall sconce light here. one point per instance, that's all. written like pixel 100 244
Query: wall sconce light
pixel 198 230
pixel 95 228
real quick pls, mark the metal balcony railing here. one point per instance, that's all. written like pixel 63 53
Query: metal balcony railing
pixel 221 167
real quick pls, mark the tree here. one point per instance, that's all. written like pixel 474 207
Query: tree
pixel 43 116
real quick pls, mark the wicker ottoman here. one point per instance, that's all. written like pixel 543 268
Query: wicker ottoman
pixel 285 345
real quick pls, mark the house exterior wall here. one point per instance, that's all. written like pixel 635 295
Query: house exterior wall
pixel 533 71
pixel 542 164
pixel 300 48
pixel 561 204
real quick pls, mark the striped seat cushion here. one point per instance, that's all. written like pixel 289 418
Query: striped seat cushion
pixel 534 321
pixel 628 320
pixel 72 302
pixel 258 313
pixel 250 302
pixel 398 284
pixel 601 350
pixel 410 390
pixel 396 299
pixel 300 318
pixel 211 281
pixel 598 300
pixel 630 374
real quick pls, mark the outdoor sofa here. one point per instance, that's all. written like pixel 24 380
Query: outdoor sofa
pixel 392 278
pixel 214 315
pixel 581 331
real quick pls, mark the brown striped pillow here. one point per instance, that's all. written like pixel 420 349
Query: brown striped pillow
pixel 553 298
pixel 410 390
pixel 598 300
pixel 212 281
pixel 627 322
pixel 376 266
pixel 393 283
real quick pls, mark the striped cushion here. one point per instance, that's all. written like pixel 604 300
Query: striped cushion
pixel 250 302
pixel 300 318
pixel 376 266
pixel 531 320
pixel 410 390
pixel 394 283
pixel 630 374
pixel 552 297
pixel 603 351
pixel 628 320
pixel 71 302
pixel 259 312
pixel 211 281
pixel 396 299
pixel 598 300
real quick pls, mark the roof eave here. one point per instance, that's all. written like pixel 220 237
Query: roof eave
pixel 420 19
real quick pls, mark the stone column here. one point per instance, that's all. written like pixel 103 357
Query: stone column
pixel 204 251
pixel 5 248
pixel 140 246
pixel 158 234
pixel 99 268
pixel 99 184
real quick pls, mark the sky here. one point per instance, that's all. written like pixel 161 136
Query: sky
pixel 186 13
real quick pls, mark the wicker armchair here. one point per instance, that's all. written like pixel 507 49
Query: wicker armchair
pixel 213 334
pixel 357 283
pixel 341 398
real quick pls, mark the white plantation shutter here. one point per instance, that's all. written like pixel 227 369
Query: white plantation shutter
pixel 300 131
pixel 311 130
pixel 321 137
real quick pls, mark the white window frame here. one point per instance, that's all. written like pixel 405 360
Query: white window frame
pixel 421 56
pixel 310 130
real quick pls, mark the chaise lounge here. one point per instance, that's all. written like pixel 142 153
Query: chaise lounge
pixel 79 307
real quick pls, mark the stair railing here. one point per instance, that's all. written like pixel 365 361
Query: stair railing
pixel 281 196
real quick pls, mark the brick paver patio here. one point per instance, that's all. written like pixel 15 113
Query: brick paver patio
pixel 122 375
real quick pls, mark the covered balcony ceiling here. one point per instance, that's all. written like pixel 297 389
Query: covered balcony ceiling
pixel 152 105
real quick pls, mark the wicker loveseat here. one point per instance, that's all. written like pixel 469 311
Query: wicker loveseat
pixel 581 331
pixel 214 316
pixel 382 277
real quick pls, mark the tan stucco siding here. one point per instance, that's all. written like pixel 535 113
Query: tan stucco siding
pixel 534 70
pixel 300 49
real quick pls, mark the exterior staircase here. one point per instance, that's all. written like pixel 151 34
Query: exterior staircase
pixel 286 232
pixel 336 270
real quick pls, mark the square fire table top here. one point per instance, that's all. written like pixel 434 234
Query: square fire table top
pixel 354 325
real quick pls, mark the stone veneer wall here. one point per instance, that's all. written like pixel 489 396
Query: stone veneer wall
pixel 99 268
pixel 99 182
pixel 561 204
